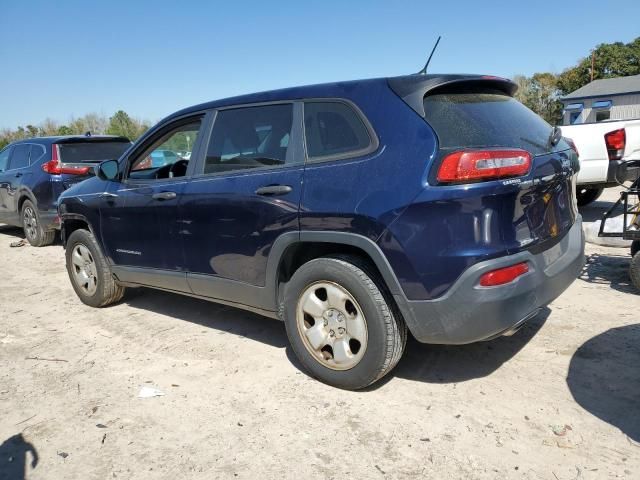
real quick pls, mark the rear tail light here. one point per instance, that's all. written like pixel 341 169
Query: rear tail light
pixel 56 167
pixel 616 142
pixel 504 275
pixel 478 165
pixel 572 145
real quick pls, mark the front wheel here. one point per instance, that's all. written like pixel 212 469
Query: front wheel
pixel 342 325
pixel 89 271
pixel 586 195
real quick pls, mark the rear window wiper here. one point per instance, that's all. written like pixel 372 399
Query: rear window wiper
pixel 555 136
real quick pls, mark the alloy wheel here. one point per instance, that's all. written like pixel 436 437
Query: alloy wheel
pixel 30 223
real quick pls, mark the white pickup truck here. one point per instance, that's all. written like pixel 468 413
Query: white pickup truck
pixel 604 148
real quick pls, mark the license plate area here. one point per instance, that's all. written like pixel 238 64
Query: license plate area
pixel 551 255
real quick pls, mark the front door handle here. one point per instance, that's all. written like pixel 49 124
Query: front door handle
pixel 164 196
pixel 18 175
pixel 274 190
pixel 108 195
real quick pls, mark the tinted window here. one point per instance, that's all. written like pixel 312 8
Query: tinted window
pixel 37 151
pixel 485 119
pixel 250 137
pixel 333 128
pixel 20 156
pixel 91 151
pixel 4 159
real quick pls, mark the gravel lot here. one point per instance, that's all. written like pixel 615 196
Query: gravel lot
pixel 559 400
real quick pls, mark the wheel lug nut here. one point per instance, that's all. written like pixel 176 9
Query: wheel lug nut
pixel 341 330
pixel 332 333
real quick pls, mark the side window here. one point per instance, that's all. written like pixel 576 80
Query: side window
pixel 20 156
pixel 251 137
pixel 333 129
pixel 169 153
pixel 37 151
pixel 4 159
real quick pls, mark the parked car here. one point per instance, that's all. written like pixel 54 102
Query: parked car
pixel 159 158
pixel 352 211
pixel 605 150
pixel 34 172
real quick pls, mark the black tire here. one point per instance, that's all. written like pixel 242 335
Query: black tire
pixel 634 270
pixel 586 195
pixel 635 247
pixel 107 291
pixel 386 330
pixel 33 231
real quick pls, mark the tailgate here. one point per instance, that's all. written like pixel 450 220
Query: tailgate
pixel 535 209
pixel 82 154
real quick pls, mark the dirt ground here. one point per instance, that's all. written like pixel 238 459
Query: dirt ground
pixel 558 400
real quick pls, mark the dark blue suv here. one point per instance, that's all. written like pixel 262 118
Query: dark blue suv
pixel 34 172
pixel 352 211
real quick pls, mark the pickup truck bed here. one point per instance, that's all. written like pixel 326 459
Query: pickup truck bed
pixel 604 148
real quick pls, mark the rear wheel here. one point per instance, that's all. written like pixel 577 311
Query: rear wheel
pixel 340 325
pixel 89 271
pixel 33 231
pixel 586 195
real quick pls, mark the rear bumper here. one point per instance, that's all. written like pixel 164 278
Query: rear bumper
pixel 49 220
pixel 621 171
pixel 469 313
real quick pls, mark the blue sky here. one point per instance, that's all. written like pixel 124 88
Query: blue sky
pixel 150 58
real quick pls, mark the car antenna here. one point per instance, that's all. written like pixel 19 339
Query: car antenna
pixel 426 65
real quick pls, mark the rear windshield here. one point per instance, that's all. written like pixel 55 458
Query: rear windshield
pixel 465 119
pixel 91 151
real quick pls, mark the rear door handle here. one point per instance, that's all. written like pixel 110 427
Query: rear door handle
pixel 164 196
pixel 274 190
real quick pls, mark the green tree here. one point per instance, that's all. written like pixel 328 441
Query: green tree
pixel 540 93
pixel 64 130
pixel 32 131
pixel 609 60
pixel 121 124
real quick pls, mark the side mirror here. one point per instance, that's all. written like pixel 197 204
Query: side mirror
pixel 107 170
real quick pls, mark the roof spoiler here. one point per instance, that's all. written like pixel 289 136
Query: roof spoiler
pixel 85 139
pixel 413 88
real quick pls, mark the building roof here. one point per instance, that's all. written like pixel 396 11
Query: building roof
pixel 607 86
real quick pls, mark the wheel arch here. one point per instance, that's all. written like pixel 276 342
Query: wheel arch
pixel 71 222
pixel 291 251
pixel 23 196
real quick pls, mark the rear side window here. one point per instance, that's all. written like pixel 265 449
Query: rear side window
pixel 334 129
pixel 252 137
pixel 37 151
pixel 79 152
pixel 489 119
pixel 4 159
pixel 19 157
